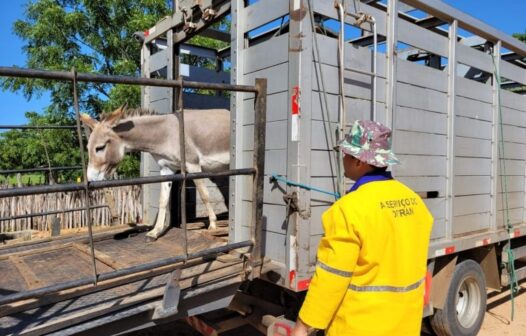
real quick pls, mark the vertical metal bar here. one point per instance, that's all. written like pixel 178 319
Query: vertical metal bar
pixel 147 213
pixel 391 54
pixel 450 156
pixel 342 112
pixel 259 164
pixel 375 61
pixel 238 45
pixel 178 110
pixel 87 213
pixel 495 137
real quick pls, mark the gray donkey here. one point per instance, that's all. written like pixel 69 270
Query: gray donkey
pixel 207 135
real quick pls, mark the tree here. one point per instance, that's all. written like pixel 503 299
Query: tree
pixel 520 36
pixel 41 147
pixel 91 36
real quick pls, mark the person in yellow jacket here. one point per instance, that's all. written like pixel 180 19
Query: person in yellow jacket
pixel 369 278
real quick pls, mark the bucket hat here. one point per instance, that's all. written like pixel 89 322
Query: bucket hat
pixel 370 142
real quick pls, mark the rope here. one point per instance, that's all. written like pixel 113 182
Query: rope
pixel 514 287
pixel 325 108
pixel 276 177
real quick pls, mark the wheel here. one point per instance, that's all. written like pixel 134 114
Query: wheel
pixel 465 304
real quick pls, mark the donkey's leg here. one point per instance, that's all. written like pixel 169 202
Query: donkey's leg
pixel 205 197
pixel 161 224
pixel 203 193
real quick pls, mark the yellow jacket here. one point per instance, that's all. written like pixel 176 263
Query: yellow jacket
pixel 369 279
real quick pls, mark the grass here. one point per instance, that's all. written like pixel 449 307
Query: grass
pixel 33 179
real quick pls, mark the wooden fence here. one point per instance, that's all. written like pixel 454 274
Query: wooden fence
pixel 123 207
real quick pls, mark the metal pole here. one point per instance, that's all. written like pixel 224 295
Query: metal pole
pixel 259 164
pixel 341 71
pixel 179 112
pixel 451 97
pixel 95 78
pixel 87 214
pixel 46 213
pixel 37 127
pixel 375 57
pixel 11 192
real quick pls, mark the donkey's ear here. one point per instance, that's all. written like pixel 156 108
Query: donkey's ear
pixel 89 121
pixel 113 118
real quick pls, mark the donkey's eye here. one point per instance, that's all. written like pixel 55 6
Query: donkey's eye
pixel 100 148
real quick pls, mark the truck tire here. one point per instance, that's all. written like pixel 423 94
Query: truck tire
pixel 465 303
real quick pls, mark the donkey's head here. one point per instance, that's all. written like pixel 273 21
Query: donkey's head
pixel 105 147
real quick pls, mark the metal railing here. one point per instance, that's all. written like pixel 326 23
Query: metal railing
pixel 260 90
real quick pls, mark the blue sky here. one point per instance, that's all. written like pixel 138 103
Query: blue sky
pixel 505 15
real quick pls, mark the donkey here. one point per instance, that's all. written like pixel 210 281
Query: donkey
pixel 207 148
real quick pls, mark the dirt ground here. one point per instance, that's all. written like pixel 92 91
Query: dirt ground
pixel 498 314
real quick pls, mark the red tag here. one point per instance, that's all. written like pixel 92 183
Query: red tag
pixel 295 100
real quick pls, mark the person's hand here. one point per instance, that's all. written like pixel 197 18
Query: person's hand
pixel 301 329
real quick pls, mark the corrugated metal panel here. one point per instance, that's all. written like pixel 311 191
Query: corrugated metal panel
pixel 512 100
pixel 472 166
pixel 276 110
pixel 422 38
pixel 321 163
pixel 515 200
pixel 356 57
pixel 421 98
pixel 356 85
pixel 420 165
pixel 514 151
pixel 475 58
pixel 513 183
pixel 439 229
pixel 417 120
pixel 471 185
pixel 262 12
pixel 277 77
pixel 267 54
pixel 513 167
pixel 416 143
pixel 513 72
pixel 424 183
pixel 472 108
pixel 473 128
pixel 512 133
pixel 516 216
pixel 513 116
pixel 471 89
pixel 468 147
pixel 468 224
pixel 466 205
pixel 276 136
pixel 421 75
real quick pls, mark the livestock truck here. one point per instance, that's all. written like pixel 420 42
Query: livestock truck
pixel 451 88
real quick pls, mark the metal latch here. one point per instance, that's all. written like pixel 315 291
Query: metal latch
pixel 172 294
pixel 292 204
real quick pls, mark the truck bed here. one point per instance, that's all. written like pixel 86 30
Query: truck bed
pixel 33 266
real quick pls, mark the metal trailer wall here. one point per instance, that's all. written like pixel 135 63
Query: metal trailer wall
pixel 446 127
pixel 157 63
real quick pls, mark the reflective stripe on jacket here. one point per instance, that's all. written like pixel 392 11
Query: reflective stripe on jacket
pixel 371 263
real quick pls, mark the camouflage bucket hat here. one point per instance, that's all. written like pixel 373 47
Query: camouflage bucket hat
pixel 370 142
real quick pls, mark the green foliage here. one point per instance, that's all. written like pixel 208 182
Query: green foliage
pixel 520 36
pixel 31 148
pixel 91 36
